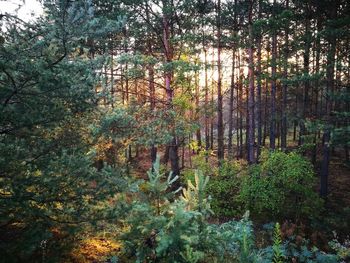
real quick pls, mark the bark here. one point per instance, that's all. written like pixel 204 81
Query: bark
pixel 232 90
pixel 112 78
pixel 273 84
pixel 168 52
pixel 306 72
pixel 239 109
pixel 251 91
pixel 230 120
pixel 212 100
pixel 151 88
pixel 220 150
pixel 206 96
pixel 331 39
pixel 284 128
pixel 207 135
pixel 241 116
pixel 317 87
pixel 197 95
pixel 258 89
pixel 266 111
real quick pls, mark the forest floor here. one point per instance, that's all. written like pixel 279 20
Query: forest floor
pixel 339 183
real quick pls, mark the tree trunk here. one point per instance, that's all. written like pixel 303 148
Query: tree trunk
pixel 258 89
pixel 230 120
pixel 273 84
pixel 284 128
pixel 331 39
pixel 306 71
pixel 151 87
pixel 251 92
pixel 219 109
pixel 197 95
pixel 317 87
pixel 168 52
pixel 207 138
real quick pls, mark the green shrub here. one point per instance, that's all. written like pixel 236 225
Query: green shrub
pixel 281 186
pixel 224 188
pixel 161 230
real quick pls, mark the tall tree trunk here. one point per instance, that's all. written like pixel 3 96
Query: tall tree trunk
pixel 317 87
pixel 258 88
pixel 173 147
pixel 230 116
pixel 232 89
pixel 331 39
pixel 284 128
pixel 152 106
pixel 251 92
pixel 238 114
pixel 266 111
pixel 151 87
pixel 273 83
pixel 241 108
pixel 306 71
pixel 212 99
pixel 221 149
pixel 206 87
pixel 267 116
pixel 197 97
pixel 112 77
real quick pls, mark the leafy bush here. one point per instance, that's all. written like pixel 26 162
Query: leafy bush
pixel 281 186
pixel 224 188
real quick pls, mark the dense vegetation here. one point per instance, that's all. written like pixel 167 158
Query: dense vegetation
pixel 176 131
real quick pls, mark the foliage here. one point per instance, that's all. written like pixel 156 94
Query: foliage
pixel 224 189
pixel 277 241
pixel 281 186
pixel 194 196
pixel 167 227
pixel 342 249
pixel 177 231
pixel 294 249
pixel 49 187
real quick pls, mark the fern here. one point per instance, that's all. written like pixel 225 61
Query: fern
pixel 278 256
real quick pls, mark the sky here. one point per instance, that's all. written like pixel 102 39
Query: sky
pixel 27 9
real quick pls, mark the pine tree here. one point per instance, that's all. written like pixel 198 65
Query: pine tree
pixel 47 85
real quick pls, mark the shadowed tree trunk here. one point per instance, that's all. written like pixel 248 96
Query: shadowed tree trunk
pixel 273 83
pixel 258 88
pixel 168 52
pixel 251 92
pixel 331 39
pixel 207 138
pixel 221 149
pixel 230 116
pixel 306 72
pixel 151 87
pixel 284 128
pixel 317 86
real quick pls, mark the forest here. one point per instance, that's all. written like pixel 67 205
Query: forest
pixel 191 131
